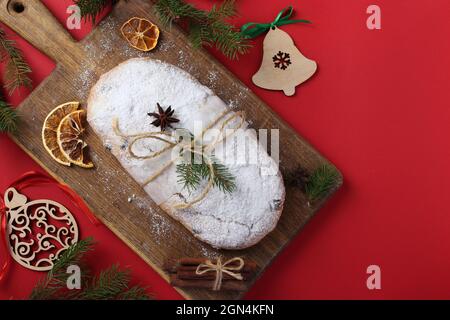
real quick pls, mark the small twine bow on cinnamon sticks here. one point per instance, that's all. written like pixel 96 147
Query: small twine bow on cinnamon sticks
pixel 232 275
pixel 220 269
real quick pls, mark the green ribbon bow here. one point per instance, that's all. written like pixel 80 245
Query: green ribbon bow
pixel 252 29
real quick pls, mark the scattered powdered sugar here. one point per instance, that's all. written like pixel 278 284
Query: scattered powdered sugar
pixel 130 199
pixel 166 46
pixel 161 226
pixel 213 75
pixel 185 63
pixel 208 253
pixel 85 79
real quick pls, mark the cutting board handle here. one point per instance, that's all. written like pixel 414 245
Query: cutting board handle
pixel 32 20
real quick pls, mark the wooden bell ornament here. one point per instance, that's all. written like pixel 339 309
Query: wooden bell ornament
pixel 283 66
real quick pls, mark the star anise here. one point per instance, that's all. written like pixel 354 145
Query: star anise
pixel 164 118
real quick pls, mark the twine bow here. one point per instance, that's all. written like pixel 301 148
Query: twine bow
pixel 253 29
pixel 184 146
pixel 220 269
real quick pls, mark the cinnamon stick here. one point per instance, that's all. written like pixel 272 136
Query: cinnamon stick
pixel 191 261
pixel 191 275
pixel 192 269
pixel 191 264
pixel 197 261
pixel 228 285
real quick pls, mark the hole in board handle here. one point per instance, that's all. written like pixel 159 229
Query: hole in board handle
pixel 16 6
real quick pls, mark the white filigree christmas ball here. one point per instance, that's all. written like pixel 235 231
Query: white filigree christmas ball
pixel 37 231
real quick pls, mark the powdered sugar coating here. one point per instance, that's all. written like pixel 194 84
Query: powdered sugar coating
pixel 128 93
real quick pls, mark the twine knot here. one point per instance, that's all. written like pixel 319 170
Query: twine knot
pixel 228 116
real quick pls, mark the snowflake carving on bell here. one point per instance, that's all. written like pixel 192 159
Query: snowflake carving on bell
pixel 37 231
pixel 282 60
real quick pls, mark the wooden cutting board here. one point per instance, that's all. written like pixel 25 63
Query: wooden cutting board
pixel 106 189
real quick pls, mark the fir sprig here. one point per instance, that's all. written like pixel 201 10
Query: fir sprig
pixel 17 70
pixel 134 293
pixel 8 117
pixel 16 75
pixel 171 10
pixel 110 284
pixel 223 179
pixel 321 182
pixel 192 172
pixel 208 28
pixel 90 9
pixel 54 284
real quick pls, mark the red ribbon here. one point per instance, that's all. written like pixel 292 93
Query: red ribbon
pixel 26 180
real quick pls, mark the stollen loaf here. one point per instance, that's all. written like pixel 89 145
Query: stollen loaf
pixel 117 110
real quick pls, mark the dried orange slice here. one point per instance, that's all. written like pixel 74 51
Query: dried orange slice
pixel 69 137
pixel 140 33
pixel 51 123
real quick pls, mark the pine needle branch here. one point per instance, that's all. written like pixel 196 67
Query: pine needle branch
pixel 90 9
pixel 108 284
pixel 54 286
pixel 111 283
pixel 208 28
pixel 17 70
pixel 8 117
pixel 223 179
pixel 171 10
pixel 134 293
pixel 321 182
pixel 191 173
pixel 73 255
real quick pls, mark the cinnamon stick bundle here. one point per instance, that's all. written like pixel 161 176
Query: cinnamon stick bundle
pixel 183 274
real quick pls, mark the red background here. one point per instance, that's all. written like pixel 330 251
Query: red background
pixel 378 108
